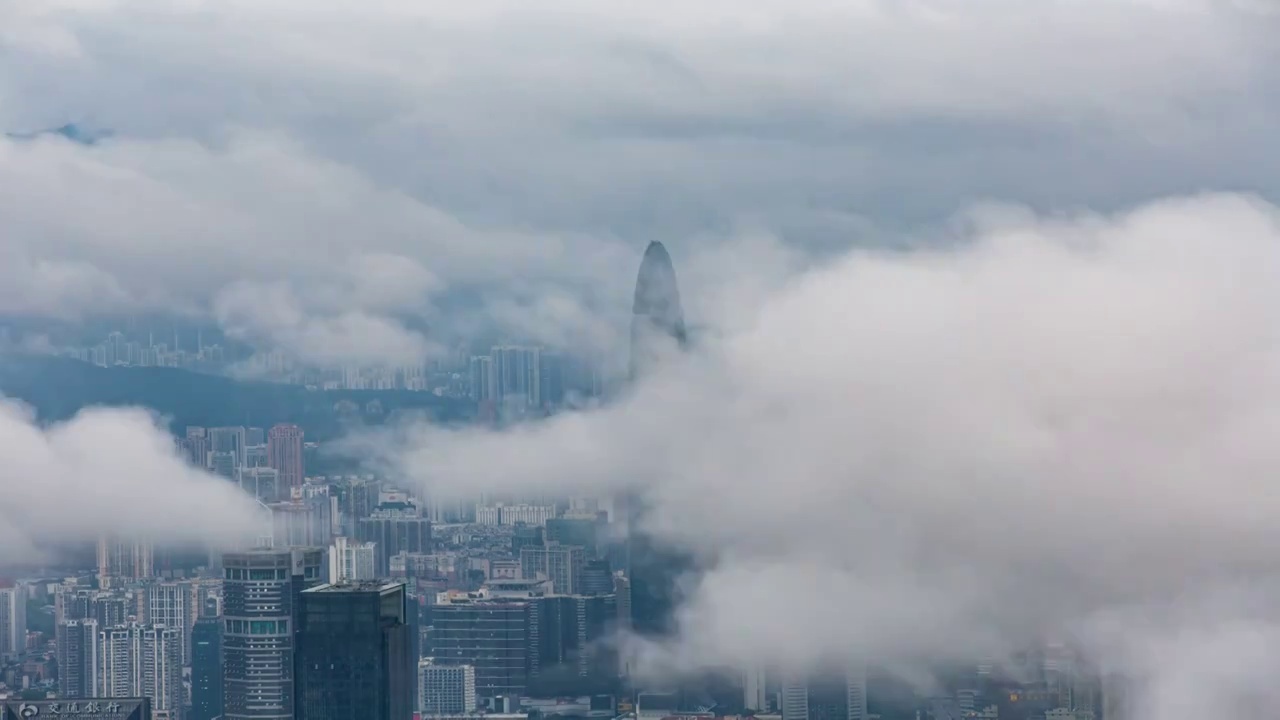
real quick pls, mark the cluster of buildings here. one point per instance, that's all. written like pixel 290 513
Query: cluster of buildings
pixel 516 378
pixel 375 612
pixel 121 350
pixel 361 601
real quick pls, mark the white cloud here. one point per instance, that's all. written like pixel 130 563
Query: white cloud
pixel 107 471
pixel 524 156
pixel 946 452
pixel 270 316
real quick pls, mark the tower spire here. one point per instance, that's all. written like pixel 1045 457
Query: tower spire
pixel 657 321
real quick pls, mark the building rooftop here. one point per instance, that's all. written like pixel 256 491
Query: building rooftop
pixel 378 586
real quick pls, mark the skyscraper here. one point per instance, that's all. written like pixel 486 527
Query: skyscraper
pixel 394 531
pixel 489 634
pixel 261 590
pixel 354 653
pixel 657 321
pixel 284 453
pixel 168 604
pixel 561 564
pixel 657 332
pixel 13 619
pixel 77 657
pixel 228 440
pixel 206 667
pixel 142 661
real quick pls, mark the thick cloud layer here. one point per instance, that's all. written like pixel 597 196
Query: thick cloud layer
pixel 1058 426
pixel 107 471
pixel 513 153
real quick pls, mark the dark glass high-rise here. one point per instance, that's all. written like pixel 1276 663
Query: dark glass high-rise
pixel 206 665
pixel 354 657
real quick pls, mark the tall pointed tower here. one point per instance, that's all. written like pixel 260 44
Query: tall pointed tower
pixel 657 333
pixel 657 320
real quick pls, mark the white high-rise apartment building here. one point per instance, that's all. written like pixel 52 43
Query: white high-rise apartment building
pixel 13 620
pixel 169 604
pixel 351 560
pixel 527 514
pixel 142 661
pixel 77 656
pixel 117 666
pixel 446 689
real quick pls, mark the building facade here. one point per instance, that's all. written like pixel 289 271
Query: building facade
pixel 446 689
pixel 350 560
pixel 261 590
pixel 77 658
pixel 354 657
pixel 284 453
pixel 13 620
pixel 206 669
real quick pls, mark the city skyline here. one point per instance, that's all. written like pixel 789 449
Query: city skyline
pixel 869 360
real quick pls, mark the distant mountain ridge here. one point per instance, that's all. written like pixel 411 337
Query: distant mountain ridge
pixel 58 388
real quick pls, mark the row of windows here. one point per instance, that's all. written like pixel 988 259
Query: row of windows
pixel 258 627
pixel 256 574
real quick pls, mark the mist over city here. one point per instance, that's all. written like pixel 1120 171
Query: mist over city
pixel 873 360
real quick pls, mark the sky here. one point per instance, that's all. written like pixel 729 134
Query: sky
pixel 991 281
pixel 360 166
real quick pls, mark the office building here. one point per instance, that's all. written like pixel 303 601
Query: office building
pixel 490 634
pixel 394 531
pixel 657 324
pixel 351 560
pixel 354 657
pixel 206 667
pixel 523 536
pixel 580 531
pixel 570 631
pixel 255 437
pixel 260 594
pixel 446 689
pixel 284 453
pixel 262 483
pixel 597 578
pixel 658 333
pixel 230 441
pixel 561 564
pixel 77 658
pixel 13 620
